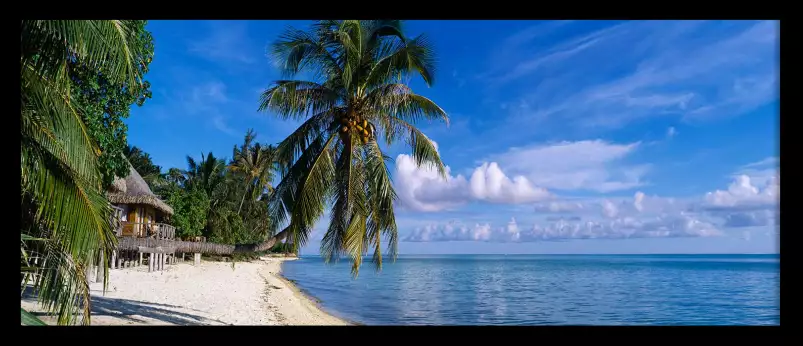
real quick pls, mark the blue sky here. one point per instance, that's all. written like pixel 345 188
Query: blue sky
pixel 565 136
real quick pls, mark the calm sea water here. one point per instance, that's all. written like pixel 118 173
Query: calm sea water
pixel 549 289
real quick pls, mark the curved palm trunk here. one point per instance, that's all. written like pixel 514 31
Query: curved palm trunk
pixel 133 244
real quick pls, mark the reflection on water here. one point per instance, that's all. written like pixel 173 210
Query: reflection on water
pixel 536 290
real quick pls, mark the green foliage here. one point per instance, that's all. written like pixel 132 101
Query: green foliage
pixel 106 102
pixel 190 208
pixel 142 163
pixel 28 319
pixel 224 203
pixel 356 99
pixel 283 248
pixel 64 215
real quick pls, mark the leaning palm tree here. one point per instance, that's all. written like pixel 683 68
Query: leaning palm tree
pixel 358 98
pixel 65 220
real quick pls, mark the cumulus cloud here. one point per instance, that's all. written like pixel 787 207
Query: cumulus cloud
pixel 488 182
pixel 744 204
pixel 522 175
pixel 681 225
pixel 423 189
pixel 594 165
pixel 760 172
pixel 742 194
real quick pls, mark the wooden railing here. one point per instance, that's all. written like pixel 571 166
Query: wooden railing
pixel 158 231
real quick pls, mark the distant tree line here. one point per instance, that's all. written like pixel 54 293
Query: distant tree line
pixel 222 200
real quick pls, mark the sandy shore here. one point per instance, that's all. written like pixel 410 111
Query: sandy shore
pixel 212 293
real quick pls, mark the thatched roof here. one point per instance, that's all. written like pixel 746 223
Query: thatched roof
pixel 134 190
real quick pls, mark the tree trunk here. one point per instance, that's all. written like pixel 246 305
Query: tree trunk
pixel 130 243
pixel 241 201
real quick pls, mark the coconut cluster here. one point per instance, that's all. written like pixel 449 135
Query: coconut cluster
pixel 358 126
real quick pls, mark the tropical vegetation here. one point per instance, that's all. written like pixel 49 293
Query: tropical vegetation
pixel 78 80
pixel 226 202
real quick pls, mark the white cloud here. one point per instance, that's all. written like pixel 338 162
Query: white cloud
pixel 671 132
pixel 681 225
pixel 423 189
pixel 488 182
pixel 638 201
pixel 226 41
pixel 609 209
pixel 593 165
pixel 220 123
pixel 760 172
pixel 742 194
pixel 741 206
pixel 559 207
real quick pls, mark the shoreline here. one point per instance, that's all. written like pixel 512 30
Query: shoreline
pixel 311 298
pixel 213 293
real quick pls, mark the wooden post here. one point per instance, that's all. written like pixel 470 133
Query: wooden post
pixel 150 262
pixel 197 258
pixel 99 273
pixel 114 260
pixel 140 260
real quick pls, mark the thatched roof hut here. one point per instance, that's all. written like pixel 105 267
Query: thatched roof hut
pixel 134 190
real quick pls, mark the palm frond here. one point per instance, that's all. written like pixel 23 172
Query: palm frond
pixel 381 196
pixel 424 151
pixel 403 57
pixel 302 192
pixel 292 99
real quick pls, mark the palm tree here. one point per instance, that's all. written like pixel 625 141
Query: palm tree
pixel 358 97
pixel 208 175
pixel 256 163
pixel 65 217
pixel 143 164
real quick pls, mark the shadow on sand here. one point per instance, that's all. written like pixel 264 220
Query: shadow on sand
pixel 133 311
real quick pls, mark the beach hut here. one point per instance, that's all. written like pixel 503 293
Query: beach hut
pixel 139 212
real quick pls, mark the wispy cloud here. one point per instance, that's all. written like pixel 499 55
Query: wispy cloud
pixel 220 123
pixel 226 41
pixel 629 71
pixel 594 165
pixel 671 132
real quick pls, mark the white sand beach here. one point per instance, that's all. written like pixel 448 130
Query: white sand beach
pixel 213 293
